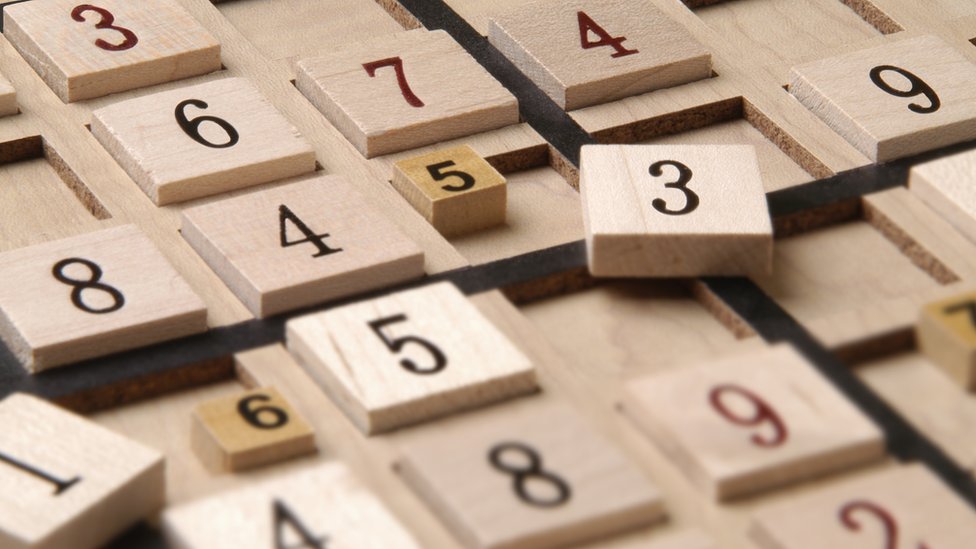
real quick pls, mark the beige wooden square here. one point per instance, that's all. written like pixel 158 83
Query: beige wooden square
pixel 261 244
pixel 323 502
pixel 68 482
pixel 538 477
pixel 946 333
pixel 900 507
pixel 8 98
pixel 92 295
pixel 640 49
pixel 674 211
pixel 409 357
pixel 251 429
pixel 171 146
pixel 424 88
pixel 83 51
pixel 869 98
pixel 455 189
pixel 948 186
pixel 753 422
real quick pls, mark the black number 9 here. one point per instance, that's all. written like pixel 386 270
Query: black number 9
pixel 919 87
pixel 192 127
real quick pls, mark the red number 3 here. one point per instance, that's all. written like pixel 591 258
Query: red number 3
pixel 884 517
pixel 764 413
pixel 130 38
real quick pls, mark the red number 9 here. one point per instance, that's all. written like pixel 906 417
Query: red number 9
pixel 763 414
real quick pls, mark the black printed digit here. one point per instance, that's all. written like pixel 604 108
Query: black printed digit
pixel 107 21
pixel 395 345
pixel 438 174
pixel 284 518
pixel 968 307
pixel 192 127
pixel 285 216
pixel 528 467
pixel 918 87
pixel 93 283
pixel 262 417
pixel 684 177
pixel 60 486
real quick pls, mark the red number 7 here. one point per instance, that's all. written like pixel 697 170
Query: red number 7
pixel 397 65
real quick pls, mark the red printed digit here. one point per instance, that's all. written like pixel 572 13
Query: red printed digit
pixel 880 513
pixel 397 65
pixel 106 22
pixel 588 25
pixel 764 414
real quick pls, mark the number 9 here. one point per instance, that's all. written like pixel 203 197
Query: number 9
pixel 764 413
pixel 919 87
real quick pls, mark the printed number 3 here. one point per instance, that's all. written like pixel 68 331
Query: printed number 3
pixel 684 176
pixel 106 22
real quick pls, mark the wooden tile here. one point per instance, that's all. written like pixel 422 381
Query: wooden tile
pixel 894 100
pixel 83 51
pixel 202 140
pixel 948 186
pixel 248 430
pixel 946 333
pixel 300 244
pixel 674 211
pixel 405 90
pixel 92 295
pixel 456 190
pixel 752 422
pixel 8 98
pixel 903 506
pixel 539 477
pixel 320 506
pixel 586 52
pixel 409 357
pixel 68 482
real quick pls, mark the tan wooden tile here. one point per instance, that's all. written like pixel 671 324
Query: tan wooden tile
pixel 8 98
pixel 894 100
pixel 903 506
pixel 674 211
pixel 301 243
pixel 68 482
pixel 202 140
pixel 405 90
pixel 948 186
pixel 251 429
pixel 538 477
pixel 320 506
pixel 585 52
pixel 409 357
pixel 92 295
pixel 83 51
pixel 741 425
pixel 946 333
pixel 455 189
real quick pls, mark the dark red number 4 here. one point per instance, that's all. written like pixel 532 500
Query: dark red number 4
pixel 880 513
pixel 106 22
pixel 763 413
pixel 397 65
pixel 588 25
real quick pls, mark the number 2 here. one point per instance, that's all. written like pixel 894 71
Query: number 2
pixel 397 65
pixel 887 521
pixel 396 345
pixel 106 22
pixel 684 176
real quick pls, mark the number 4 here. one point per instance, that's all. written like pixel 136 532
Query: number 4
pixel 588 25
pixel 318 240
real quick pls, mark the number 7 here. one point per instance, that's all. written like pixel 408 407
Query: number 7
pixel 397 65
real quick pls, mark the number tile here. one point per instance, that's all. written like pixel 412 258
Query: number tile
pixel 409 357
pixel 68 482
pixel 319 507
pixel 83 51
pixel 895 100
pixel 946 333
pixel 456 190
pixel 92 295
pixel 405 90
pixel 948 186
pixel 299 244
pixel 586 52
pixel 674 211
pixel 903 506
pixel 749 423
pixel 536 477
pixel 202 140
pixel 248 430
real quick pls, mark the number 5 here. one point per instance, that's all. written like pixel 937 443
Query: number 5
pixel 396 345
pixel 435 170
